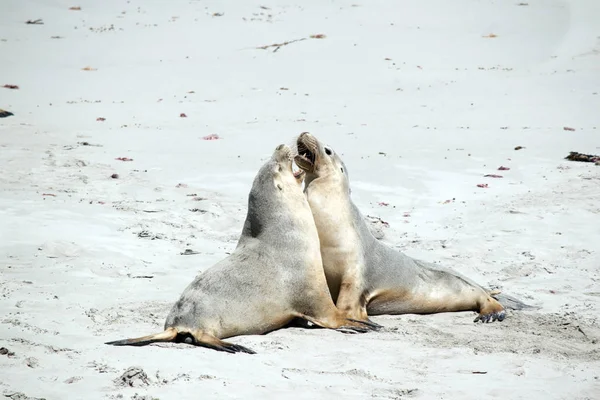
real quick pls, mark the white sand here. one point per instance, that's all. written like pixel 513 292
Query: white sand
pixel 448 107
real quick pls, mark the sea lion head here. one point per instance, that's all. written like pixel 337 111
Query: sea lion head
pixel 320 161
pixel 276 200
pixel 283 169
pixel 278 174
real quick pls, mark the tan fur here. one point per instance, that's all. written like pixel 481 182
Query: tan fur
pixel 363 275
pixel 274 275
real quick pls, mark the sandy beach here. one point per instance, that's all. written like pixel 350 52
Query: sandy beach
pixel 139 126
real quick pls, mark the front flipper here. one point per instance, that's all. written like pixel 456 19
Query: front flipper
pixel 341 324
pixel 363 327
pixel 374 326
pixel 352 302
pixel 227 347
pixel 351 329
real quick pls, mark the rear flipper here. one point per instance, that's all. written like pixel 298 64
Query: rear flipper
pixel 511 303
pixel 491 317
pixel 197 338
pixel 4 113
pixel 489 313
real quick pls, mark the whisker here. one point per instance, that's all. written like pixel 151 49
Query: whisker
pixel 293 143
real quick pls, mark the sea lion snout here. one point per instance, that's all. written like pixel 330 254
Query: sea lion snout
pixel 307 141
pixel 308 148
pixel 283 153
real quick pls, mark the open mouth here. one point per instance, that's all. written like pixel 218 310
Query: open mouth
pixel 298 173
pixel 305 158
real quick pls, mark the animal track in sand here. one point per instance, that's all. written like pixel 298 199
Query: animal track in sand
pixel 555 336
pixel 101 367
pixel 137 377
pixel 24 325
pixel 354 376
pixel 126 314
pixel 49 349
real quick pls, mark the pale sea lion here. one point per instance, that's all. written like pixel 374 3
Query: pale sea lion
pixel 365 276
pixel 274 275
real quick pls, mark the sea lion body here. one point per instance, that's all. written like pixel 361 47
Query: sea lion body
pixel 274 275
pixel 366 277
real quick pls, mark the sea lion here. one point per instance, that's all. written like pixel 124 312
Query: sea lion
pixel 274 275
pixel 366 277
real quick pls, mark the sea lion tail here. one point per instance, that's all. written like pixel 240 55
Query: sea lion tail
pixel 512 303
pixel 168 335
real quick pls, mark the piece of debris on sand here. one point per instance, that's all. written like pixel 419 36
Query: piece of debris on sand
pixel 277 46
pixel 189 252
pixel 133 377
pixel 6 352
pixel 575 156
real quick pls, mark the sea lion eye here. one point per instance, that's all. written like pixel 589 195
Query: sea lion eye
pixel 327 151
pixel 342 170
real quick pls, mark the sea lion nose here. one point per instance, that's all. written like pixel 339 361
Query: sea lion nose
pixel 280 147
pixel 303 134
